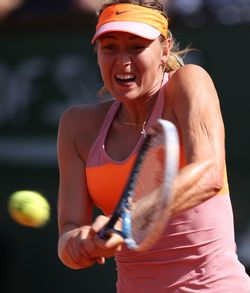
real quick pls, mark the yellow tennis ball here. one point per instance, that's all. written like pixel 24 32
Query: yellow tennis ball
pixel 29 208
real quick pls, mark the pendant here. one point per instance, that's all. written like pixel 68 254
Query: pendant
pixel 143 132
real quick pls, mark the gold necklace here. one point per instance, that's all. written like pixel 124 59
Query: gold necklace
pixel 142 126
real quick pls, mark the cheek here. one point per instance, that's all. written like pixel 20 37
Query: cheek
pixel 105 70
pixel 103 65
pixel 151 61
pixel 150 65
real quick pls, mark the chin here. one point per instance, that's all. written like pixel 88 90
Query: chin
pixel 124 95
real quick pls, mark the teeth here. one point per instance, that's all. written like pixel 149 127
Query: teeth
pixel 125 76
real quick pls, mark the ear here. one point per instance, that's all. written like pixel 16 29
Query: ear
pixel 166 46
pixel 97 52
pixel 98 63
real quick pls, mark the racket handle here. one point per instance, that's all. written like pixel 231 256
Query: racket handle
pixel 103 234
pixel 106 233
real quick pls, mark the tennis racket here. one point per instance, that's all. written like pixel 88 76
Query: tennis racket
pixel 144 205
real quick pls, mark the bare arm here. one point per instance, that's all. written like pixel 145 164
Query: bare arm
pixel 78 246
pixel 196 109
pixel 74 204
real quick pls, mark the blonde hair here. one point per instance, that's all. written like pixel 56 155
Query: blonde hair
pixel 175 57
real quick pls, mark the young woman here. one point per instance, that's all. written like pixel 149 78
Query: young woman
pixel 97 145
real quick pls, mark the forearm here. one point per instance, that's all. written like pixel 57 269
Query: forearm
pixel 194 184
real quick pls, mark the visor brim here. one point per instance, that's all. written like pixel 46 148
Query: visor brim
pixel 139 29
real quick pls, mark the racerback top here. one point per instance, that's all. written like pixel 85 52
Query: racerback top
pixel 196 252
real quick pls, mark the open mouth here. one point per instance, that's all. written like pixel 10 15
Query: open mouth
pixel 125 77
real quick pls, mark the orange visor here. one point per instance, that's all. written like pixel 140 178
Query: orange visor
pixel 135 19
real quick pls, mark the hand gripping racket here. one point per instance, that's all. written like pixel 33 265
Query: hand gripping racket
pixel 144 205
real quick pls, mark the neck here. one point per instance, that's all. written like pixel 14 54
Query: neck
pixel 137 112
pixel 137 118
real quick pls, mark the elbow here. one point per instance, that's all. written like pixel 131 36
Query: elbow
pixel 217 186
pixel 216 179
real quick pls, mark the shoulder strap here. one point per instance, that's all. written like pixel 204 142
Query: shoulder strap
pixel 159 104
pixel 96 150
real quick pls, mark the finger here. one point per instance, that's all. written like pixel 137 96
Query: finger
pixel 114 242
pixel 100 260
pixel 77 258
pixel 99 223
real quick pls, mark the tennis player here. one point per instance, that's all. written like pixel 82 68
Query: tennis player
pixel 97 145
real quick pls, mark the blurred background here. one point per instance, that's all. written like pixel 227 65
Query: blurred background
pixel 46 65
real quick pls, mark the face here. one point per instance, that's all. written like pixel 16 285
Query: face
pixel 131 66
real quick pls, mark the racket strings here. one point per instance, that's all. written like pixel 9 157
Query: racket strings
pixel 150 175
pixel 144 215
pixel 145 205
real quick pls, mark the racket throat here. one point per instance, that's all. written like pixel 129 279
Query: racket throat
pixel 127 230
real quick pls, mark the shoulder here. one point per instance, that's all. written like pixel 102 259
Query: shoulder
pixel 191 82
pixel 79 126
pixel 189 75
pixel 84 116
pixel 191 96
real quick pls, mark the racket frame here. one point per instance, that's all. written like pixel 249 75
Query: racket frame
pixel 171 163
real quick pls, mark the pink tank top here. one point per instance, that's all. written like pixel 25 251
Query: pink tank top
pixel 110 174
pixel 196 252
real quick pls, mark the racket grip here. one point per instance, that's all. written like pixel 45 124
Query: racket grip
pixel 106 233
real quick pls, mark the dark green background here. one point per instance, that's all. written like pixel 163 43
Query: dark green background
pixel 29 261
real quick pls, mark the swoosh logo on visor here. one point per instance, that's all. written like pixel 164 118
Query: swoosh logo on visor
pixel 121 12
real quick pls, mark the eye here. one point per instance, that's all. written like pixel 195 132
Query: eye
pixel 108 47
pixel 138 48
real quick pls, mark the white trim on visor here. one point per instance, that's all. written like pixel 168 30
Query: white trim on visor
pixel 137 28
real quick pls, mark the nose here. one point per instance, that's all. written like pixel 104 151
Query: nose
pixel 124 59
